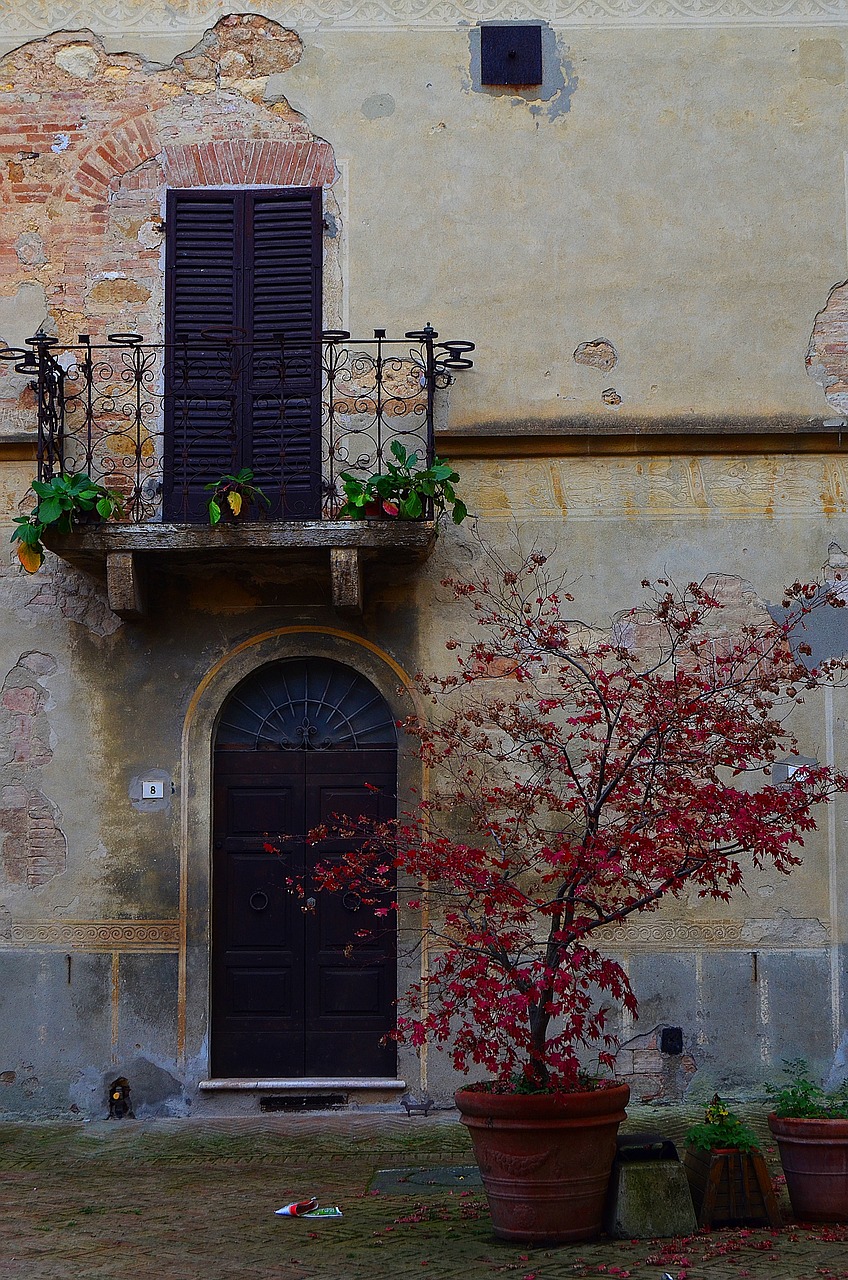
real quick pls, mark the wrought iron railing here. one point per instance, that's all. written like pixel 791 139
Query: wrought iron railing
pixel 159 423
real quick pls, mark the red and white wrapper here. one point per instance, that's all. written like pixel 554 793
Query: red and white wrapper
pixel 298 1208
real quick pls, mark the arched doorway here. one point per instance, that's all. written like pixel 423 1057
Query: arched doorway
pixel 298 741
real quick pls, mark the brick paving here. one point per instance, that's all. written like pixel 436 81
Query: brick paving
pixel 184 1199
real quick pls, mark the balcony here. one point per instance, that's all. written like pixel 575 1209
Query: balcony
pixel 160 423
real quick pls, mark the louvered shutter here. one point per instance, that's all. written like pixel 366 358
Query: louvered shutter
pixel 243 385
pixel 283 299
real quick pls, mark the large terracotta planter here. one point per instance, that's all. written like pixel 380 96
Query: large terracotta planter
pixel 545 1159
pixel 814 1155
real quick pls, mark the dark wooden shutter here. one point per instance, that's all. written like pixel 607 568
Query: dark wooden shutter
pixel 243 324
pixel 283 298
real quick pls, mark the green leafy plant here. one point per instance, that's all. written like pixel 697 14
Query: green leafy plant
pixel 64 502
pixel 234 493
pixel 403 489
pixel 802 1099
pixel 721 1130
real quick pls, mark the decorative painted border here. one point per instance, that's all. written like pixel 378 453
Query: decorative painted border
pixel 673 934
pixel 96 935
pixel 688 935
pixel 157 17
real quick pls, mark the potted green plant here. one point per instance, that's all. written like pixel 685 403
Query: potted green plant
pixel 65 502
pixel 727 1172
pixel 234 495
pixel 403 490
pixel 811 1129
pixel 579 776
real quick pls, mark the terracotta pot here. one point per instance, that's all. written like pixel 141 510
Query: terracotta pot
pixel 814 1155
pixel 545 1159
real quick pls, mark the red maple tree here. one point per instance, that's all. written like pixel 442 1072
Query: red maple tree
pixel 580 777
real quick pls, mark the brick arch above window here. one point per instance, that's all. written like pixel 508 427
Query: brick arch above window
pixel 221 162
pixel 229 162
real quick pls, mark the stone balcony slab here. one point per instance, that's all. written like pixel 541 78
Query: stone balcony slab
pixel 123 552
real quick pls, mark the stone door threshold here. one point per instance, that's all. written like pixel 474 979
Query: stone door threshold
pixel 303 1085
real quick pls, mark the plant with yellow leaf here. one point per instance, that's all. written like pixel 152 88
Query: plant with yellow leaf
pixel 65 501
pixel 234 494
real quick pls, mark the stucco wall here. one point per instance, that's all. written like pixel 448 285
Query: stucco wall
pixel 675 190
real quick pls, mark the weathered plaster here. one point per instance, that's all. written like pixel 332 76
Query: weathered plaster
pixel 626 216
pixel 599 354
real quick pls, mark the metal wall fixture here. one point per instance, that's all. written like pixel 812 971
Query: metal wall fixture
pixel 510 54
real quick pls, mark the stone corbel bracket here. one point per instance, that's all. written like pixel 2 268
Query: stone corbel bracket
pixel 122 551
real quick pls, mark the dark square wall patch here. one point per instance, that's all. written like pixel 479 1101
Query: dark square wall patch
pixel 511 54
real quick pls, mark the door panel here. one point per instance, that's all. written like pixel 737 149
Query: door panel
pixel 257 953
pixel 265 991
pixel 335 1029
pixel 286 998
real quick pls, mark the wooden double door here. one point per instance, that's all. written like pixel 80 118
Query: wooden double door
pixel 295 993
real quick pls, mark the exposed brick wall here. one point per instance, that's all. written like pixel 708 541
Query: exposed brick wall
pixel 654 1076
pixel 89 141
pixel 827 356
pixel 241 164
pixel 33 848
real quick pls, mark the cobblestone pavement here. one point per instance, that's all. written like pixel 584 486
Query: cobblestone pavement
pixel 184 1199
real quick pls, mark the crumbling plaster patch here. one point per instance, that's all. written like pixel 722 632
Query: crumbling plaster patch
pixel 33 847
pixel 598 354
pixel 827 354
pixel 654 1076
pixel 117 117
pixel 23 306
pixel 35 599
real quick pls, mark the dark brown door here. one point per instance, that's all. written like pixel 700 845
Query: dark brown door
pixel 290 997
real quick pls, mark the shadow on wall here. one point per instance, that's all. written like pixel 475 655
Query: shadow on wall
pixel 148 1091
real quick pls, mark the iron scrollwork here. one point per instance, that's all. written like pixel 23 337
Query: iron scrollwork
pixel 101 406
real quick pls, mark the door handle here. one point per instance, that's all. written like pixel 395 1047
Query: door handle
pixel 258 900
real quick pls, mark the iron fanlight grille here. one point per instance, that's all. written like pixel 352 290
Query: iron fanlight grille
pixel 306 704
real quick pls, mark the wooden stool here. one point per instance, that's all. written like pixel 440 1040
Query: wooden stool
pixel 729 1187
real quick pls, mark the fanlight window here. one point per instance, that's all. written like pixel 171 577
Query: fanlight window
pixel 306 704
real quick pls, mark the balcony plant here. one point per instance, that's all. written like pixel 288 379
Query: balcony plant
pixel 403 490
pixel 579 777
pixel 65 502
pixel 811 1129
pixel 234 495
pixel 727 1172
